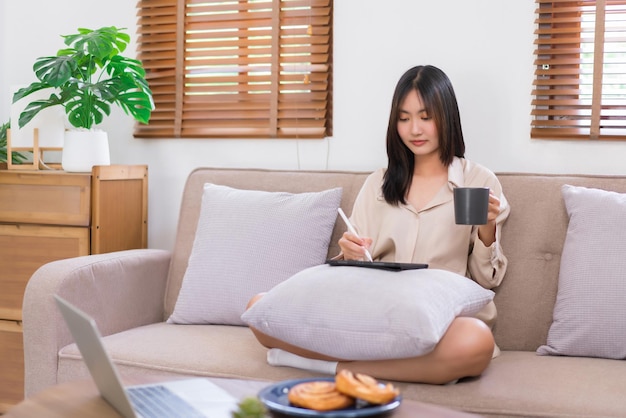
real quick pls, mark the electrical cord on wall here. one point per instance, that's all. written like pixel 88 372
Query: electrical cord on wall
pixel 327 159
pixel 327 139
pixel 298 153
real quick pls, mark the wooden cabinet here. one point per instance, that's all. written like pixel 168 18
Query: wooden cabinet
pixel 50 215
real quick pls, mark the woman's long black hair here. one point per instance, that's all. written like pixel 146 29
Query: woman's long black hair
pixel 436 92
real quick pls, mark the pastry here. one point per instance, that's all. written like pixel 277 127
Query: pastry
pixel 319 395
pixel 365 387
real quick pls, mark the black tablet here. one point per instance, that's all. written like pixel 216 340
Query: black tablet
pixel 383 265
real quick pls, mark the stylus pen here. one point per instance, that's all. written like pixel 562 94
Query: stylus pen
pixel 353 231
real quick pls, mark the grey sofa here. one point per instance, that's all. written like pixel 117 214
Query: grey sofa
pixel 131 293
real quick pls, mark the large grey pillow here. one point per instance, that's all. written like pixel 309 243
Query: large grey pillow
pixel 589 314
pixel 246 242
pixel 357 313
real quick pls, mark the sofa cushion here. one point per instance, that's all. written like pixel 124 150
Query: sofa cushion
pixel 589 311
pixel 542 386
pixel 246 242
pixel 358 313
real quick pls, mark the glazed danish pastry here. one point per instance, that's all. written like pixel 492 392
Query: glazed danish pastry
pixel 365 387
pixel 318 395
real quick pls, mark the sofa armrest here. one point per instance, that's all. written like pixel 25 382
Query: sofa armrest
pixel 120 290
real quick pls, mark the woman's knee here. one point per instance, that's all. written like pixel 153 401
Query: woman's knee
pixel 480 343
pixel 255 299
pixel 473 343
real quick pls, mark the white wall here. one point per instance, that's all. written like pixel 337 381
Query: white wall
pixel 485 46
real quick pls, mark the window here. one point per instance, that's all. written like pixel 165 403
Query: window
pixel 580 77
pixel 237 68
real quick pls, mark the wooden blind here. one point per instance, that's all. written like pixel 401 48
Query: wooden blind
pixel 580 77
pixel 237 69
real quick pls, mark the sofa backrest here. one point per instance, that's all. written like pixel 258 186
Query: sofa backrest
pixel 532 237
pixel 251 179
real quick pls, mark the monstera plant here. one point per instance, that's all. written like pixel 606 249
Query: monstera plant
pixel 88 77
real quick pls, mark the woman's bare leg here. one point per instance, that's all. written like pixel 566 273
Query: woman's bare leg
pixel 464 350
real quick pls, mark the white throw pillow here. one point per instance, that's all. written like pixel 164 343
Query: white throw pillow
pixel 589 313
pixel 356 313
pixel 248 241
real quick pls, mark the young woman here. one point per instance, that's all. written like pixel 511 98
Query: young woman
pixel 405 213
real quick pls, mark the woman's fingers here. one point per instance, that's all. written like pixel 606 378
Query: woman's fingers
pixel 494 207
pixel 353 247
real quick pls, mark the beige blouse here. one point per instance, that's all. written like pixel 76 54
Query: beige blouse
pixel 430 235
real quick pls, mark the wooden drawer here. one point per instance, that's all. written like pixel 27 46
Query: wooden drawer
pixel 119 208
pixel 11 364
pixel 52 215
pixel 53 198
pixel 27 247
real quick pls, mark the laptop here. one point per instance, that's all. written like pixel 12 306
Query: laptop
pixel 194 397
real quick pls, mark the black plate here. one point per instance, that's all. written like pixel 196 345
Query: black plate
pixel 274 397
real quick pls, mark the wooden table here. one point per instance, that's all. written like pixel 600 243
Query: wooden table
pixel 80 399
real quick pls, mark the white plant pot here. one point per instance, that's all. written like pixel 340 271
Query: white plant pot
pixel 84 149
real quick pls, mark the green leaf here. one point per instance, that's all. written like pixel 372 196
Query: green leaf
pixel 250 408
pixel 25 91
pixel 55 70
pixel 87 66
pixel 123 65
pixel 31 110
pixel 101 43
pixel 16 157
pixel 129 94
pixel 86 113
pixel 137 104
